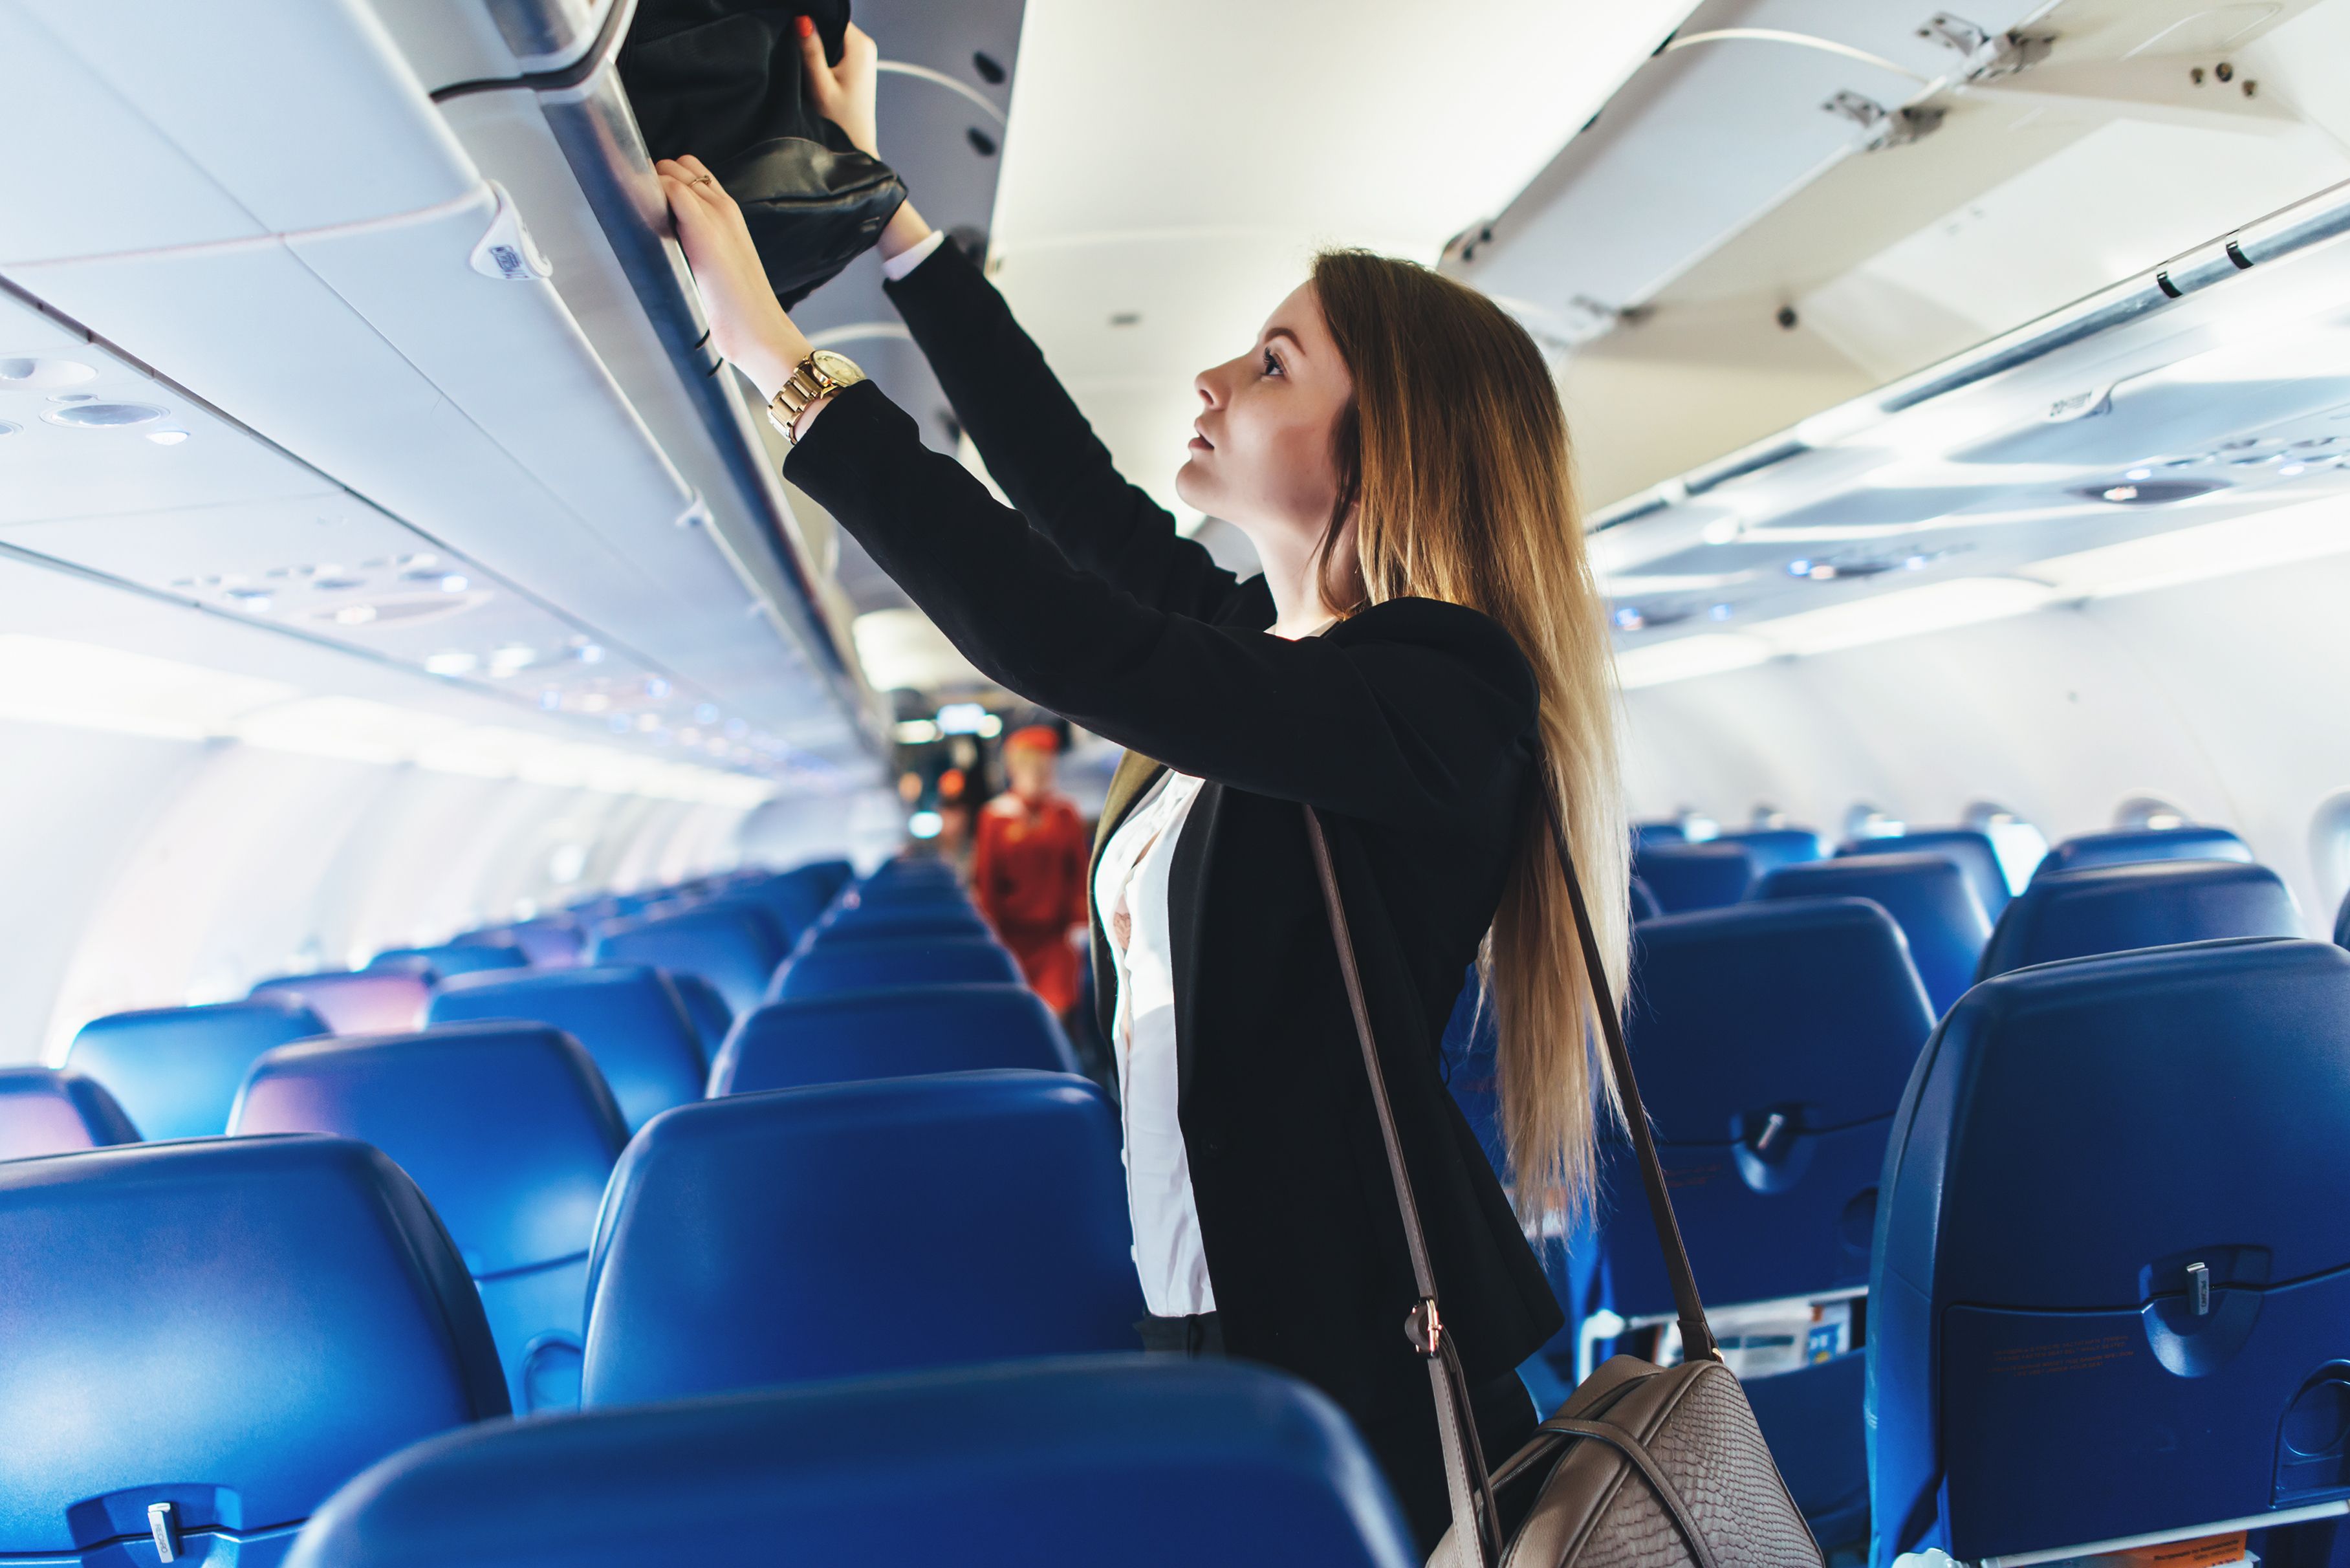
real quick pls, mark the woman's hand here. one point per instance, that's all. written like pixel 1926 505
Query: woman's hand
pixel 843 94
pixel 746 323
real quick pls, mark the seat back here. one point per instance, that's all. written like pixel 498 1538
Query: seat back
pixel 1145 1463
pixel 862 1228
pixel 886 922
pixel 1644 903
pixel 359 1002
pixel 455 957
pixel 713 1019
pixel 49 1110
pixel 824 969
pixel 891 1034
pixel 629 1018
pixel 1928 898
pixel 551 941
pixel 1772 1042
pixel 734 944
pixel 2341 924
pixel 174 1070
pixel 2104 1301
pixel 1684 876
pixel 511 1133
pixel 1775 847
pixel 1969 848
pixel 2111 908
pixel 1649 835
pixel 795 898
pixel 229 1328
pixel 2132 846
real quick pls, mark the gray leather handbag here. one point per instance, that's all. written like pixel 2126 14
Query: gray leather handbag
pixel 1643 1467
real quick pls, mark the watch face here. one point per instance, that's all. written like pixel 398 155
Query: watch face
pixel 840 367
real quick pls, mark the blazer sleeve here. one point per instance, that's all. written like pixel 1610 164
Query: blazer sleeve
pixel 1052 467
pixel 1399 715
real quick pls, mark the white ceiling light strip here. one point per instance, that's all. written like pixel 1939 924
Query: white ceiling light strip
pixel 51 681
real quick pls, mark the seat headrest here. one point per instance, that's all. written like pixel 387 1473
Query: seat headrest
pixel 2111 908
pixel 359 1002
pixel 233 1326
pixel 629 1018
pixel 869 922
pixel 1775 847
pixel 174 1070
pixel 1055 1464
pixel 2072 1126
pixel 860 1228
pixel 713 1019
pixel 2130 845
pixel 1644 903
pixel 734 944
pixel 1686 876
pixel 1928 897
pixel 825 968
pixel 891 1034
pixel 455 957
pixel 49 1110
pixel 1971 850
pixel 551 941
pixel 507 1127
pixel 1807 1006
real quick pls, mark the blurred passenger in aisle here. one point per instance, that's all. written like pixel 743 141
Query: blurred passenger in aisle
pixel 1028 866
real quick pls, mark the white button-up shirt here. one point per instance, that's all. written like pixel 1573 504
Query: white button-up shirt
pixel 1130 891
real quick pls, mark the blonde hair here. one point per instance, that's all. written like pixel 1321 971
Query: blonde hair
pixel 1453 455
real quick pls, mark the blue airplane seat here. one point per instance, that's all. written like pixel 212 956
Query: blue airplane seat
pixel 1970 849
pixel 898 1033
pixel 359 1000
pixel 1927 895
pixel 911 871
pixel 2341 924
pixel 795 897
pixel 1140 1462
pixel 174 1070
pixel 2110 908
pixel 1644 903
pixel 455 957
pixel 511 1133
pixel 1685 877
pixel 1649 835
pixel 826 968
pixel 713 1019
pixel 200 1341
pixel 2133 845
pixel 2109 1299
pixel 1775 847
pixel 550 942
pixel 52 1110
pixel 629 1017
pixel 1773 1041
pixel 860 1228
pixel 880 922
pixel 732 943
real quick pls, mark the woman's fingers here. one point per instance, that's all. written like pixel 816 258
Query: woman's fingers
pixel 819 71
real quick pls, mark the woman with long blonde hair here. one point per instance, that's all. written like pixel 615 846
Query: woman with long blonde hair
pixel 1424 654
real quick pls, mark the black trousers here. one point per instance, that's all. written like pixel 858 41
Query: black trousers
pixel 1406 1445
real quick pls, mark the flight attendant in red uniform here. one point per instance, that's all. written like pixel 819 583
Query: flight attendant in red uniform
pixel 1028 867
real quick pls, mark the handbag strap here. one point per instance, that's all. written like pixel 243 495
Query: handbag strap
pixel 1697 1337
pixel 1466 1478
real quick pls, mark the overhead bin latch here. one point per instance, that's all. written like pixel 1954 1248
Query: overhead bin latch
pixel 506 250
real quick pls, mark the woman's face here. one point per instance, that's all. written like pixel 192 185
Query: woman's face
pixel 1260 454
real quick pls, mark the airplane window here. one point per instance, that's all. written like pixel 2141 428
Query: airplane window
pixel 2329 847
pixel 1865 821
pixel 1697 827
pixel 2018 844
pixel 2150 811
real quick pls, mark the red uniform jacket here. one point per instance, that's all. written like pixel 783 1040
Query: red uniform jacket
pixel 1028 871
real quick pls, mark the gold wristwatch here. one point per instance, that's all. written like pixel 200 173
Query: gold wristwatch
pixel 820 375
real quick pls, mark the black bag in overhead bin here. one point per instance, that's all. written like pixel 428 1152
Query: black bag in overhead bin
pixel 724 81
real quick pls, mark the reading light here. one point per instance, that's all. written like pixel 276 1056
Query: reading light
pixel 1823 573
pixel 925 824
pixel 1628 617
pixel 1799 567
pixel 2139 473
pixel 355 615
pixel 451 663
pixel 87 415
pixel 167 437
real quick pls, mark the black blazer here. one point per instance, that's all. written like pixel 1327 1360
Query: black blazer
pixel 1410 727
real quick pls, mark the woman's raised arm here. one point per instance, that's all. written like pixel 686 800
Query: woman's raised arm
pixel 1036 445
